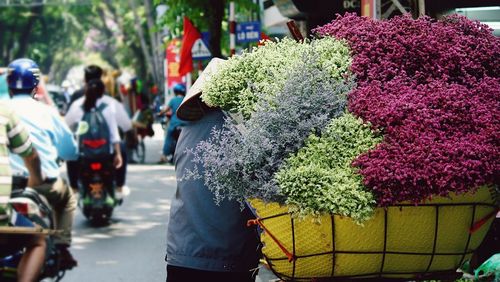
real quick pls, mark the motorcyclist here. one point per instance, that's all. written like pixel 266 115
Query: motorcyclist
pixel 53 140
pixel 19 142
pixel 122 119
pixel 175 123
pixel 94 97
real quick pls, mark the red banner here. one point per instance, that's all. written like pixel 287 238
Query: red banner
pixel 173 60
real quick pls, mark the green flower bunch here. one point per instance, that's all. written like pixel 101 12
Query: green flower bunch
pixel 319 178
pixel 239 161
pixel 260 74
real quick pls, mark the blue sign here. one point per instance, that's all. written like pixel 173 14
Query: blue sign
pixel 247 32
pixel 200 50
pixel 205 36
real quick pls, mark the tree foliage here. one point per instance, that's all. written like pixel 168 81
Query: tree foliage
pixel 206 15
pixel 125 34
pixel 59 37
pixel 41 33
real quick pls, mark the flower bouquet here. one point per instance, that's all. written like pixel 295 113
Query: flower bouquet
pixel 369 151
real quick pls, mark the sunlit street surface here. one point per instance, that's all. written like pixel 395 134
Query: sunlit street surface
pixel 132 248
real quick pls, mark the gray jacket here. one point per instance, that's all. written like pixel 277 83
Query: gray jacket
pixel 201 234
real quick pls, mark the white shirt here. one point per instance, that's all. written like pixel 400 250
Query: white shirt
pixel 122 118
pixel 75 115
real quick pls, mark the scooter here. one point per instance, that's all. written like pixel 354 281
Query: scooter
pixel 96 189
pixel 32 209
pixel 162 118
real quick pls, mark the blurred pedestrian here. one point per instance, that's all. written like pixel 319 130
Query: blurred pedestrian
pixel 175 125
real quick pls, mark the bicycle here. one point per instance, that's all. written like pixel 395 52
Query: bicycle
pixel 139 152
pixel 143 126
pixel 136 149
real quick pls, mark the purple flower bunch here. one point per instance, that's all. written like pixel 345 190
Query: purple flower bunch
pixel 433 89
pixel 454 49
pixel 438 138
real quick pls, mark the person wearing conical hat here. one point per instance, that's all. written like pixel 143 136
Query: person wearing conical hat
pixel 206 241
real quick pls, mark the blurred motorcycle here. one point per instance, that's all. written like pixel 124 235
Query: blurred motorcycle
pixel 163 117
pixel 96 189
pixel 29 209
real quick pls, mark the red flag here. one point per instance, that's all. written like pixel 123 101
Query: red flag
pixel 263 38
pixel 191 34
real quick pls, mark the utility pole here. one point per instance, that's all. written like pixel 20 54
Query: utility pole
pixel 232 29
pixel 421 7
pixel 385 9
pixel 160 11
pixel 371 9
pixel 142 39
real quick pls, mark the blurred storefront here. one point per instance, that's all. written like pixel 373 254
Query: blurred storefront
pixel 312 13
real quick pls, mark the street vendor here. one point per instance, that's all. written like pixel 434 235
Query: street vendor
pixel 206 241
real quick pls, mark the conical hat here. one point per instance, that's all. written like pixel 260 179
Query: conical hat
pixel 190 108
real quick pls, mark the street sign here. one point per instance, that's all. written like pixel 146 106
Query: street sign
pixel 248 32
pixel 200 49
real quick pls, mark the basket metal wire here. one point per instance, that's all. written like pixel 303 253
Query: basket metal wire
pixel 451 232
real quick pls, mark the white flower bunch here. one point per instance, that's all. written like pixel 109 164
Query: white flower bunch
pixel 262 73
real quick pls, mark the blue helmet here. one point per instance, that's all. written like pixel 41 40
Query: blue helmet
pixel 179 87
pixel 23 74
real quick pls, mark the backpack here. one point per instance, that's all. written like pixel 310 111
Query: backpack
pixel 94 135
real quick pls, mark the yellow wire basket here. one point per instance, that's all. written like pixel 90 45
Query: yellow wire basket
pixel 428 241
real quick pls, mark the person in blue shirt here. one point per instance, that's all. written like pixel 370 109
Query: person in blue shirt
pixel 4 90
pixel 53 140
pixel 174 125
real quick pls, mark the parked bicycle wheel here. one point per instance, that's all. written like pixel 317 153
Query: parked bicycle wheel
pixel 140 152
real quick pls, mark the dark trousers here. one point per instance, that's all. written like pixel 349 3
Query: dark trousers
pixel 121 173
pixel 73 170
pixel 182 274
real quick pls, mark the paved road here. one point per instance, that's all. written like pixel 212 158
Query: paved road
pixel 132 248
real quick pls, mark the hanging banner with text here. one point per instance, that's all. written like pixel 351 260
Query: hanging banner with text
pixel 247 32
pixel 172 63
